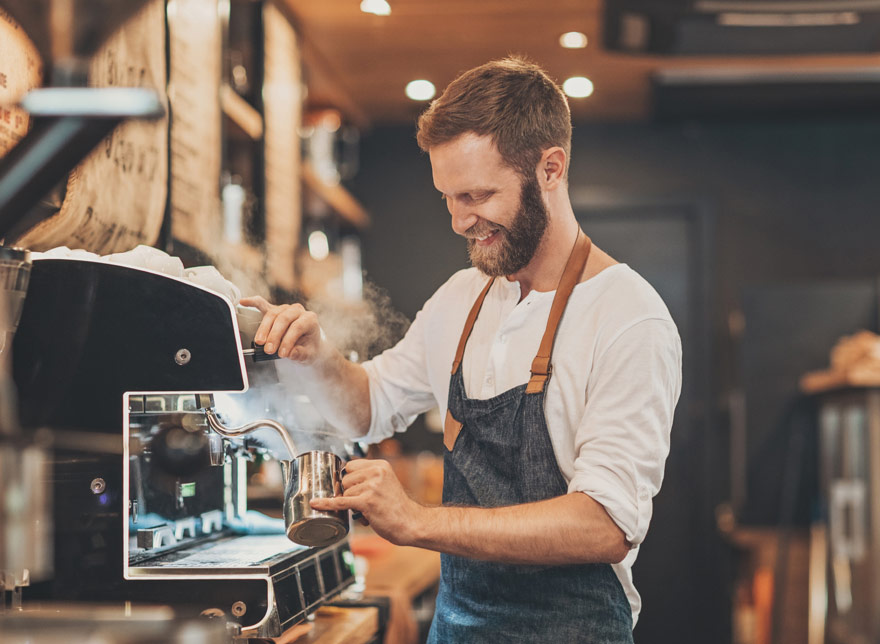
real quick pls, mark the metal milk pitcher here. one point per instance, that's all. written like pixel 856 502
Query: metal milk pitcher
pixel 313 475
pixel 310 475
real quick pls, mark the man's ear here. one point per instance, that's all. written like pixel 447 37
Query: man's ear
pixel 551 168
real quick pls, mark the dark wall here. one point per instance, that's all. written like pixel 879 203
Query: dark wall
pixel 786 202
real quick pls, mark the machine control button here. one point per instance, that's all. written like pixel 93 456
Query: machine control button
pixel 184 528
pixel 98 485
pixel 212 521
pixel 239 608
pixel 182 357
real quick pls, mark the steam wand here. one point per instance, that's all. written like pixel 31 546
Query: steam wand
pixel 232 432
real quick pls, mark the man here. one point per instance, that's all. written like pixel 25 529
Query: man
pixel 565 371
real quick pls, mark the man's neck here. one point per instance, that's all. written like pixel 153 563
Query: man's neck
pixel 545 269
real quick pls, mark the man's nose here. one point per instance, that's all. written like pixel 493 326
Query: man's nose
pixel 463 217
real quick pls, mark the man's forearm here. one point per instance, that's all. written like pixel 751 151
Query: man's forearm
pixel 569 529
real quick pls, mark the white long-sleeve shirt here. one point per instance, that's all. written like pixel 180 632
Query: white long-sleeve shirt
pixel 609 402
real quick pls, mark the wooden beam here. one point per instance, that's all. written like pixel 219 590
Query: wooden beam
pixel 240 112
pixel 337 197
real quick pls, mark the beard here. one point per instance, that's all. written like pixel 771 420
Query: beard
pixel 516 245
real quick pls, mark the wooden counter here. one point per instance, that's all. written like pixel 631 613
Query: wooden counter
pixel 404 570
pixel 333 625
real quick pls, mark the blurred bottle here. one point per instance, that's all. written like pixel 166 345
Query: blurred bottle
pixel 15 272
pixel 25 527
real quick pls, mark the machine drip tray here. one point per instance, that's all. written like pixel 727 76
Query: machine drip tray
pixel 273 581
pixel 253 554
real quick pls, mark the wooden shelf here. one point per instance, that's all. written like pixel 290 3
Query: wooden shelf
pixel 240 112
pixel 337 197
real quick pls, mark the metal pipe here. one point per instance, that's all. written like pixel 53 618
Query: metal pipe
pixel 233 432
pixel 69 123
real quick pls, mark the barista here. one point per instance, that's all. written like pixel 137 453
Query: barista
pixel 557 369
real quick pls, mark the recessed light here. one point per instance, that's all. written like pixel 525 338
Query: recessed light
pixel 578 87
pixel 377 7
pixel 420 90
pixel 573 40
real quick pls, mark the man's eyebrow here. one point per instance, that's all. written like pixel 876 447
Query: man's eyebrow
pixel 475 191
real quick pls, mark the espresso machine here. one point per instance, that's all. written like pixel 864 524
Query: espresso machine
pixel 138 375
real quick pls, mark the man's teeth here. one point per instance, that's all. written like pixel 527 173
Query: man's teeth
pixel 485 237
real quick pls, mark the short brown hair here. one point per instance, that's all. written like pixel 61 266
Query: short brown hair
pixel 512 100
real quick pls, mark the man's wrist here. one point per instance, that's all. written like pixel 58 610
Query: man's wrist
pixel 420 527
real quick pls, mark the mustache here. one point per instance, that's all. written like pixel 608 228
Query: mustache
pixel 481 230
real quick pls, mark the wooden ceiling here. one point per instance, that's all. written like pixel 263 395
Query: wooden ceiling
pixel 361 63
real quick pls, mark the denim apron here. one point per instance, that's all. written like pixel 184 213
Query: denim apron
pixel 498 453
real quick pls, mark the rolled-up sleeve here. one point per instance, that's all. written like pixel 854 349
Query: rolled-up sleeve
pixel 399 385
pixel 622 441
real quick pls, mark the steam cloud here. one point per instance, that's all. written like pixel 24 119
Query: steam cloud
pixel 360 330
pixel 366 330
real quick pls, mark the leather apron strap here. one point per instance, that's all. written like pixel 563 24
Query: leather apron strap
pixel 469 325
pixel 452 427
pixel 570 276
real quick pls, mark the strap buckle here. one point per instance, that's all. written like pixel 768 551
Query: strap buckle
pixel 538 381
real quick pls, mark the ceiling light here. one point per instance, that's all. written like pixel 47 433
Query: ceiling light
pixel 377 7
pixel 578 87
pixel 420 90
pixel 573 40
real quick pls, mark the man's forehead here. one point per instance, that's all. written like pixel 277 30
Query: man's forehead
pixel 468 142
pixel 470 161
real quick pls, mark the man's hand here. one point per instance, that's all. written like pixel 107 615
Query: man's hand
pixel 288 329
pixel 372 488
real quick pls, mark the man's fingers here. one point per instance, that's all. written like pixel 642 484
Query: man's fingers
pixel 298 329
pixel 359 463
pixel 355 489
pixel 264 328
pixel 285 318
pixel 257 302
pixel 336 503
pixel 354 478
